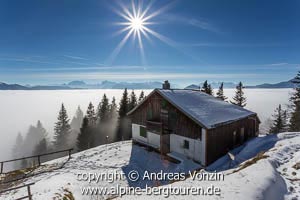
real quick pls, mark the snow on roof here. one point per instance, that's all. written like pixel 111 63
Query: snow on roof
pixel 203 108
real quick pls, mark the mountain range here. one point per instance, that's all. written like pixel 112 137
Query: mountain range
pixel 121 85
pixel 284 84
pixel 113 85
pixel 82 85
pixel 213 84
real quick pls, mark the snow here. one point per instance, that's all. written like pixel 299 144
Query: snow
pixel 269 178
pixel 266 167
pixel 106 159
pixel 206 109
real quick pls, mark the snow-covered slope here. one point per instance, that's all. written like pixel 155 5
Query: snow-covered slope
pixel 272 175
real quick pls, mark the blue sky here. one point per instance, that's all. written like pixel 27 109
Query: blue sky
pixel 56 41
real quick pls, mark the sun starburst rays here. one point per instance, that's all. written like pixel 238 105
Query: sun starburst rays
pixel 137 22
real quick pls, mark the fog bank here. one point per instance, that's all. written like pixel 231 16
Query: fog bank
pixel 19 109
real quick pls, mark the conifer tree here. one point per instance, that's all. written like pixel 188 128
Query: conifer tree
pixel 124 104
pixel 123 131
pixel 294 123
pixel 34 135
pixel 41 130
pixel 17 149
pixel 103 110
pixel 133 101
pixel 113 108
pixel 142 96
pixel 77 120
pixel 285 120
pixel 210 90
pixel 85 137
pixel 239 99
pixel 41 147
pixel 207 88
pixel 91 115
pixel 62 129
pixel 278 123
pixel 204 87
pixel 220 93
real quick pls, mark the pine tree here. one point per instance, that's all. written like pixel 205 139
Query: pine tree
pixel 103 110
pixel 133 101
pixel 123 131
pixel 278 123
pixel 124 104
pixel 77 120
pixel 85 137
pixel 62 129
pixel 34 135
pixel 91 115
pixel 207 88
pixel 113 108
pixel 41 147
pixel 220 93
pixel 204 87
pixel 285 120
pixel 142 96
pixel 239 98
pixel 17 151
pixel 294 123
pixel 210 90
pixel 41 131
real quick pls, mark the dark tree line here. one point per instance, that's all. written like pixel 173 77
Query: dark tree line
pixel 35 141
pixel 107 123
pixel 288 120
pixel 294 120
pixel 98 124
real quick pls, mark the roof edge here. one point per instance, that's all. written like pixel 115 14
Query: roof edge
pixel 187 114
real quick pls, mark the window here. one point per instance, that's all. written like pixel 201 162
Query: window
pixel 143 132
pixel 186 144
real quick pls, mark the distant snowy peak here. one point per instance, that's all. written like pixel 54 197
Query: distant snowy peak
pixel 115 85
pixel 5 86
pixel 284 84
pixel 192 87
pixel 76 83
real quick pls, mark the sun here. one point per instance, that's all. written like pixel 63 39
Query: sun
pixel 136 24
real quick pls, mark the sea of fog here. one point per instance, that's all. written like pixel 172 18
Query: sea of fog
pixel 19 109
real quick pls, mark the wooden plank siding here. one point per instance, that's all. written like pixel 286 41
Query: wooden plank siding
pixel 221 139
pixel 178 123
